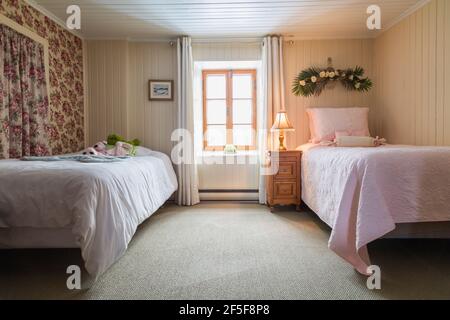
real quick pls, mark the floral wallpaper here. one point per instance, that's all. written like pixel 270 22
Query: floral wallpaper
pixel 66 125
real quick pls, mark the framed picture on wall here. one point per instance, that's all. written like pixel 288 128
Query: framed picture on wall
pixel 160 90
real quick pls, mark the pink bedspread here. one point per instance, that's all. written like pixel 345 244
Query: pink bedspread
pixel 361 193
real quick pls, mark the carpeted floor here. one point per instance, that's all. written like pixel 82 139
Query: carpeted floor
pixel 233 251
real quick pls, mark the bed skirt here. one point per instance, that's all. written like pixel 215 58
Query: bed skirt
pixel 420 230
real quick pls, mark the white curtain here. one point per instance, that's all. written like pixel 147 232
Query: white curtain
pixel 273 101
pixel 187 194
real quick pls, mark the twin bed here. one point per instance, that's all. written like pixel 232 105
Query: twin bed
pixel 364 194
pixel 92 206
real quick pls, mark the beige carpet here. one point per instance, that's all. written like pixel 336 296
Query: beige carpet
pixel 233 251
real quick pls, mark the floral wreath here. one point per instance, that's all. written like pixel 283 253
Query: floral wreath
pixel 313 81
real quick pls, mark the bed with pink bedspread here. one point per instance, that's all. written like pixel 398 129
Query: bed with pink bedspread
pixel 364 193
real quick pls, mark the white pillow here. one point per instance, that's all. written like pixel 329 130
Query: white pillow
pixel 142 151
pixel 324 122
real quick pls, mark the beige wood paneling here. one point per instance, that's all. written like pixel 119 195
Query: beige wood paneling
pixel 151 121
pixel 299 55
pixel 107 89
pixel 118 74
pixel 231 176
pixel 446 106
pixel 227 51
pixel 412 76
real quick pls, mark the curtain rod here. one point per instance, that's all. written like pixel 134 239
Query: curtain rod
pixel 226 40
pixel 194 40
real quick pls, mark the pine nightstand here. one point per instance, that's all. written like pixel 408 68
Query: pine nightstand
pixel 284 188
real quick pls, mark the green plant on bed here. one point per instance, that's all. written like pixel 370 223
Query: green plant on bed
pixel 114 138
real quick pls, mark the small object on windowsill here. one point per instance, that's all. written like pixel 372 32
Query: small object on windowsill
pixel 281 125
pixel 239 153
pixel 230 149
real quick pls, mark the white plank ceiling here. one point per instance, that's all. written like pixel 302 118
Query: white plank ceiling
pixel 162 19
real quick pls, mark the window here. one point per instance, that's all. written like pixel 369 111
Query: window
pixel 229 109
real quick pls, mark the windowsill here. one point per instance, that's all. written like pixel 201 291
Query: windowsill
pixel 244 153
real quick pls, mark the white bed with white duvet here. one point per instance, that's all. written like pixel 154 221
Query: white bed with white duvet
pixel 92 206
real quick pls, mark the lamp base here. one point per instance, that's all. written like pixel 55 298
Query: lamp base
pixel 281 138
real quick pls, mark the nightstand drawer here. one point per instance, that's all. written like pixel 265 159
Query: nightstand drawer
pixel 287 170
pixel 284 158
pixel 285 189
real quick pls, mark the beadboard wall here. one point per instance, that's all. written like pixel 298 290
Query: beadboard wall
pixel 225 51
pixel 107 89
pixel 412 74
pixel 151 121
pixel 118 74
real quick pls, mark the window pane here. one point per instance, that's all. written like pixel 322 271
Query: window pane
pixel 216 112
pixel 242 135
pixel 242 86
pixel 216 86
pixel 216 135
pixel 242 111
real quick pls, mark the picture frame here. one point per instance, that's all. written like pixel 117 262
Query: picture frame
pixel 160 90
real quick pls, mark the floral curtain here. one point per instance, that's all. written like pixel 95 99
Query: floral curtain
pixel 24 101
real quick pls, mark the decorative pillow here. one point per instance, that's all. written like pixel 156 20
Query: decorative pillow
pixel 325 122
pixel 352 141
pixel 142 151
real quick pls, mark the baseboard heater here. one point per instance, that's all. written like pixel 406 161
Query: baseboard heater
pixel 228 195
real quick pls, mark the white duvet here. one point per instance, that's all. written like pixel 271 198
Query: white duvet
pixel 362 193
pixel 103 203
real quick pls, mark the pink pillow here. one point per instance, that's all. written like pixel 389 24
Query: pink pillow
pixel 355 133
pixel 344 133
pixel 325 122
pixel 360 133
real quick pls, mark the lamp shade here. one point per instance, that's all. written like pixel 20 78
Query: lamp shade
pixel 282 122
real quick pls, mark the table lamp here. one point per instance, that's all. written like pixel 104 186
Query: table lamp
pixel 281 125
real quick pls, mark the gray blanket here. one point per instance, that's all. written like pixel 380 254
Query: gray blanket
pixel 79 158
